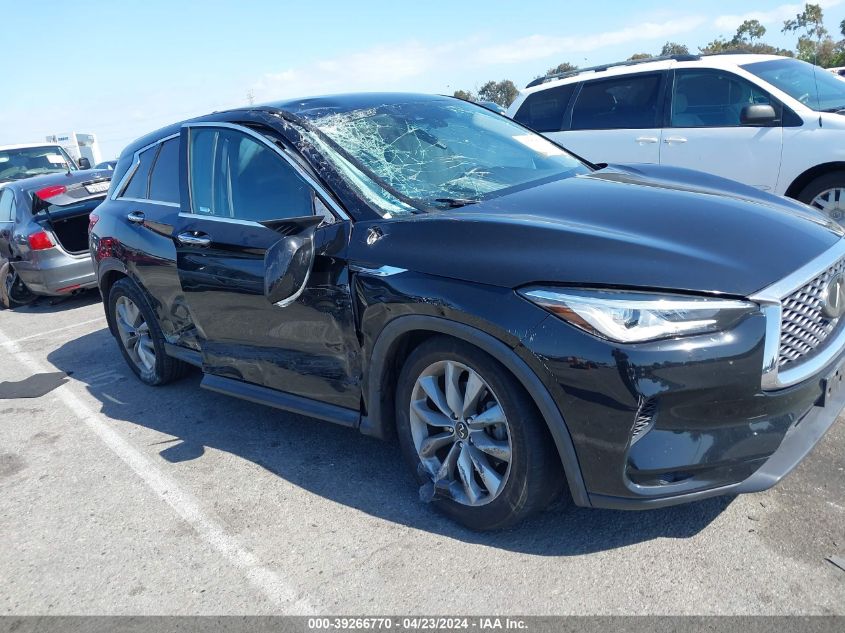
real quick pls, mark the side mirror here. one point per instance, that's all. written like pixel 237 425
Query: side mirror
pixel 84 163
pixel 757 114
pixel 287 263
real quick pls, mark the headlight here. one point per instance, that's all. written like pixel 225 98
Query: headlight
pixel 631 317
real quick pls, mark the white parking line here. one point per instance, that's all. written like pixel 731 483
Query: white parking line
pixel 277 589
pixel 7 342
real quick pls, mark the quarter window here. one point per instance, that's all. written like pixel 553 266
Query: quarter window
pixel 702 98
pixel 543 110
pixel 235 176
pixel 629 102
pixel 164 180
pixel 138 184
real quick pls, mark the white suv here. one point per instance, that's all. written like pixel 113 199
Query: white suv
pixel 771 122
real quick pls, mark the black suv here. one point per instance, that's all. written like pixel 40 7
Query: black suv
pixel 521 319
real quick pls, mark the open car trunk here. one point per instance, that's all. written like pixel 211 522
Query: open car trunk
pixel 69 223
pixel 72 232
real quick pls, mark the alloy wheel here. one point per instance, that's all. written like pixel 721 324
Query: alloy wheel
pixel 460 432
pixel 135 333
pixel 15 289
pixel 831 202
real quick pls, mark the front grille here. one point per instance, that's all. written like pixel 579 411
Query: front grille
pixel 803 327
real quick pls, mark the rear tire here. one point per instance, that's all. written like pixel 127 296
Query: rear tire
pixel 827 194
pixel 13 291
pixel 139 337
pixel 512 469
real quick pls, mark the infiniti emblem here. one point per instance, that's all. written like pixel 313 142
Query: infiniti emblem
pixel 834 299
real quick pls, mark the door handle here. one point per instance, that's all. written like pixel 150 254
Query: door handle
pixel 193 239
pixel 674 139
pixel 135 216
pixel 646 140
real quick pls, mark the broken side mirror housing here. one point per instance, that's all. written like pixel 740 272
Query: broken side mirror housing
pixel 287 263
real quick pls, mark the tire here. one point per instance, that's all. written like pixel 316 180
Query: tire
pixel 529 478
pixel 832 205
pixel 139 335
pixel 13 291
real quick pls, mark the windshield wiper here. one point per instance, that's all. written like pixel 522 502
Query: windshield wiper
pixel 835 110
pixel 454 203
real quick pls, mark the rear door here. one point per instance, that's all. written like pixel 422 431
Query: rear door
pixel 705 131
pixel 237 180
pixel 616 120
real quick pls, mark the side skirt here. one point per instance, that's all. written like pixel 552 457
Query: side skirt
pixel 281 400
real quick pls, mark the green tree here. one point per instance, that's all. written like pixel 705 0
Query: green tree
pixel 466 95
pixel 563 67
pixel 814 42
pixel 501 92
pixel 673 48
pixel 745 39
pixel 749 31
pixel 638 56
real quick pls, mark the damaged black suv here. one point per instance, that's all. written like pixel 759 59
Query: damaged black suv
pixel 524 321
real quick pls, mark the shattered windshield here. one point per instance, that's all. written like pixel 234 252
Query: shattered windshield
pixel 20 163
pixel 429 154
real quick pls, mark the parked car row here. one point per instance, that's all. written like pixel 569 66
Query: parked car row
pixel 526 323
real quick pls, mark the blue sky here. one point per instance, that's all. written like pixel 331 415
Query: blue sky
pixel 121 69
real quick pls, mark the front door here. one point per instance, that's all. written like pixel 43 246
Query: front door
pixel 706 133
pixel 237 180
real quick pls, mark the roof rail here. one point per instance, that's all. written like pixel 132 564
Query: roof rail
pixel 603 67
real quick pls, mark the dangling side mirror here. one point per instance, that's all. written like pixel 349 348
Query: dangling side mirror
pixel 287 263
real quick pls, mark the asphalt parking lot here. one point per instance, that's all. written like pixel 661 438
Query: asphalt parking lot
pixel 116 498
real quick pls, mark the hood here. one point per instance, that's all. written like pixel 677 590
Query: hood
pixel 636 227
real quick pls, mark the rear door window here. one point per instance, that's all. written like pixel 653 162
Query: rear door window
pixel 544 110
pixel 628 102
pixel 139 183
pixel 164 180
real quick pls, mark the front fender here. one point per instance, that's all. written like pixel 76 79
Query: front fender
pixel 490 318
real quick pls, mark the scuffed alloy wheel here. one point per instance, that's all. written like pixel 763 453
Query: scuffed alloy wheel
pixel 480 449
pixel 460 432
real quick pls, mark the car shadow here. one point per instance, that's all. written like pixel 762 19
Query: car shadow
pixel 49 305
pixel 339 463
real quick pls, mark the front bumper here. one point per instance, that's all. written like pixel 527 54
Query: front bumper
pixel 796 445
pixel 712 430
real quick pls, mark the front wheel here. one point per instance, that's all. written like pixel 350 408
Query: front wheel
pixel 477 443
pixel 13 291
pixel 827 194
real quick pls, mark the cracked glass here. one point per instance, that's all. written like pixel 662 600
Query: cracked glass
pixel 421 155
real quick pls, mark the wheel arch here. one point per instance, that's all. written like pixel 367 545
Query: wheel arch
pixel 811 174
pixel 109 272
pixel 403 334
